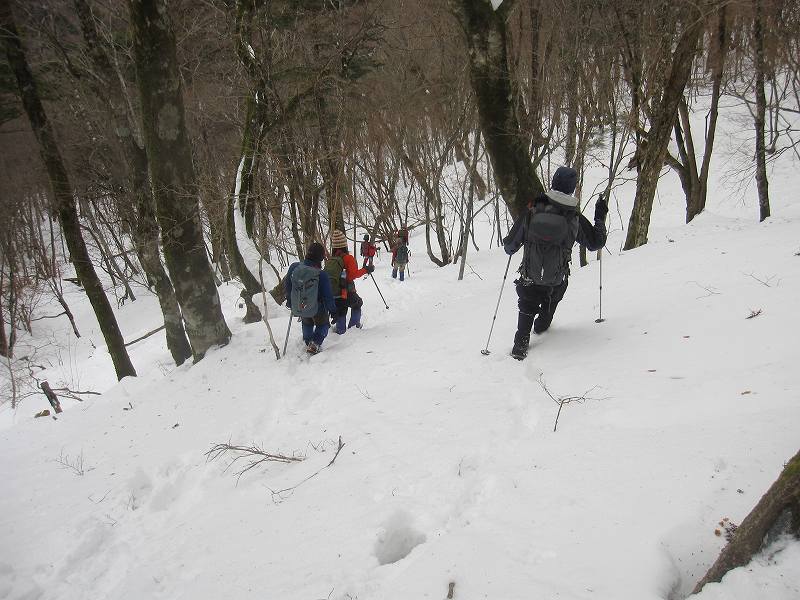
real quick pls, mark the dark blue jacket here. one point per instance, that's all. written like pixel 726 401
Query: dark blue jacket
pixel 325 292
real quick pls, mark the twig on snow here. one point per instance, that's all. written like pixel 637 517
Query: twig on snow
pixel 562 400
pixel 711 291
pixel 71 464
pixel 281 495
pixel 754 314
pixel 765 282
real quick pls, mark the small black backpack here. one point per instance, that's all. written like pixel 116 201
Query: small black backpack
pixel 551 232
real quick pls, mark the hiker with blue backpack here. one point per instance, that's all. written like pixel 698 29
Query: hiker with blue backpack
pixel 342 270
pixel 309 295
pixel 548 229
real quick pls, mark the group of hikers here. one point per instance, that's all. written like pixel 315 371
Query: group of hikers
pixel 321 296
pixel 547 231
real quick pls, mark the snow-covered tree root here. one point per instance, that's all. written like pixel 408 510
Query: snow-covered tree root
pixel 777 513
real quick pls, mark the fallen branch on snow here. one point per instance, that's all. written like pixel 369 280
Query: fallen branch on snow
pixel 253 454
pixel 281 495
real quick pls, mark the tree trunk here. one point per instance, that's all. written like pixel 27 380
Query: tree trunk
pixel 777 512
pixel 172 175
pixel 331 166
pixel 63 198
pixel 145 233
pixel 761 111
pixel 485 31
pixel 653 154
pixel 242 202
pixel 694 180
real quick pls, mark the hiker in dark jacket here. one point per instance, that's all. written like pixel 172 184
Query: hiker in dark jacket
pixel 400 254
pixel 315 328
pixel 343 270
pixel 548 229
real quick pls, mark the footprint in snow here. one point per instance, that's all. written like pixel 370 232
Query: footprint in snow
pixel 397 538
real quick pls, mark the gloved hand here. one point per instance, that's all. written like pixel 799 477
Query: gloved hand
pixel 601 208
pixel 369 268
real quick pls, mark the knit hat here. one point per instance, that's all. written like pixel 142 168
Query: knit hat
pixel 316 252
pixel 338 240
pixel 565 179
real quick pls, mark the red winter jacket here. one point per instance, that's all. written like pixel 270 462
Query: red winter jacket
pixel 368 249
pixel 351 266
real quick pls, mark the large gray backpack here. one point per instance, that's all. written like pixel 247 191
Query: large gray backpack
pixel 305 291
pixel 551 232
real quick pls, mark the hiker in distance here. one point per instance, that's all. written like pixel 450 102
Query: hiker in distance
pixel 368 251
pixel 548 230
pixel 309 296
pixel 400 254
pixel 342 269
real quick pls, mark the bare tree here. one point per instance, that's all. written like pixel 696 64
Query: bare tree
pixel 63 197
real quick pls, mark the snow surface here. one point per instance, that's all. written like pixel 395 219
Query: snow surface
pixel 450 469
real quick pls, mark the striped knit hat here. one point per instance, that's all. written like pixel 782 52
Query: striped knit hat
pixel 338 240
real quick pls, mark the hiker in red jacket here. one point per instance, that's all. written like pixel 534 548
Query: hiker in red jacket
pixel 342 269
pixel 368 250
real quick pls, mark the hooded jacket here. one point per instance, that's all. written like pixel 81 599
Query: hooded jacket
pixel 593 237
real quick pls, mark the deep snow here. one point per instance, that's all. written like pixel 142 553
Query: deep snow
pixel 451 471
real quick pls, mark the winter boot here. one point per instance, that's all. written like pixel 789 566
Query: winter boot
pixel 520 349
pixel 394 273
pixel 355 318
pixel 341 324
pixel 312 348
pixel 402 275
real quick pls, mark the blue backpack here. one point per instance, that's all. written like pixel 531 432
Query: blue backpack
pixel 305 291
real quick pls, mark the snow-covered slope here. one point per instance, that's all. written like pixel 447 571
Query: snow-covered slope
pixel 450 469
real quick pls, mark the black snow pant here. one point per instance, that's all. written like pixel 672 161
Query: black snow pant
pixel 536 300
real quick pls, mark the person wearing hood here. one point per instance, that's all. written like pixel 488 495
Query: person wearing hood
pixel 315 329
pixel 548 229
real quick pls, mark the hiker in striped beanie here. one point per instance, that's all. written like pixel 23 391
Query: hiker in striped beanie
pixel 342 270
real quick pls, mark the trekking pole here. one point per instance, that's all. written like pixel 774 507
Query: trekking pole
pixel 379 291
pixel 288 329
pixel 600 319
pixel 485 351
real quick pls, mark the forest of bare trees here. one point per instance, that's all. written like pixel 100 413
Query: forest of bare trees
pixel 173 143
